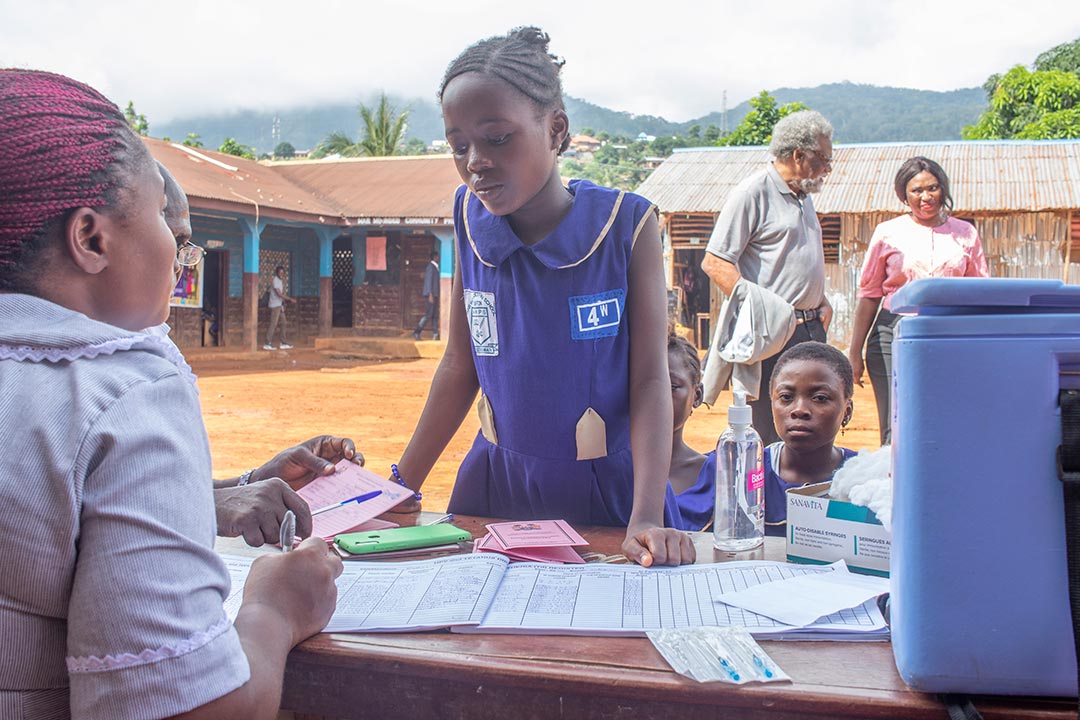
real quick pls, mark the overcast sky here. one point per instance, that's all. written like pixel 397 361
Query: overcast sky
pixel 662 57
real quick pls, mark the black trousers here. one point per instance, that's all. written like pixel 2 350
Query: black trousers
pixel 762 407
pixel 879 368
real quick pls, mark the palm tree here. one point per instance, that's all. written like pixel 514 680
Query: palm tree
pixel 384 129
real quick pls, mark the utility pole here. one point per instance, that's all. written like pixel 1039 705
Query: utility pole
pixel 723 114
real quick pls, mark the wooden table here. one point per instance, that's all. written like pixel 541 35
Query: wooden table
pixel 520 677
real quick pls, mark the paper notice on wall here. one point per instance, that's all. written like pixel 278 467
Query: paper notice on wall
pixel 376 253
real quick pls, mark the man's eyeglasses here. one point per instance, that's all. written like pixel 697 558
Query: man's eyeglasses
pixel 189 254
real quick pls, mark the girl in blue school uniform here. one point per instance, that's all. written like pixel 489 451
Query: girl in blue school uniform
pixel 692 475
pixel 811 391
pixel 558 319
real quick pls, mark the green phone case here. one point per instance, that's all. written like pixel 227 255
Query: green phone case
pixel 402 538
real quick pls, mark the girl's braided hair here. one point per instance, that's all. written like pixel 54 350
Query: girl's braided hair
pixel 690 354
pixel 520 58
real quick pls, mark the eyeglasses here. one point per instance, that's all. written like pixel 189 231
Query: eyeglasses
pixel 189 254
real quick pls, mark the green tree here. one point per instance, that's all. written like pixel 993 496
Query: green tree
pixel 712 134
pixel 384 131
pixel 337 143
pixel 193 140
pixel 1030 105
pixel 415 146
pixel 284 149
pixel 1065 56
pixel 136 120
pixel 756 128
pixel 694 133
pixel 587 131
pixel 231 147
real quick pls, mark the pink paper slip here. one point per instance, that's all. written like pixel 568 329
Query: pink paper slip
pixel 534 533
pixel 559 554
pixel 349 481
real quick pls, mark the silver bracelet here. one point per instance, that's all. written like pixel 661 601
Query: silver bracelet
pixel 245 477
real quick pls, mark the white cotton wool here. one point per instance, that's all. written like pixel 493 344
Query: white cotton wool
pixel 866 480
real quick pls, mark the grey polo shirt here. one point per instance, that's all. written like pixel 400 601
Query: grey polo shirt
pixel 773 237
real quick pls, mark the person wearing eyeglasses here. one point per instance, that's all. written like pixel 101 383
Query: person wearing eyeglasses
pixel 111 594
pixel 925 242
pixel 767 241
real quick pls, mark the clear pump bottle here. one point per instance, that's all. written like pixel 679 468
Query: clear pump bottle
pixel 739 523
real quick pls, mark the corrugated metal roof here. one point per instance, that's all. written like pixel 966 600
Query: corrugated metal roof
pixel 397 187
pixel 994 176
pixel 325 191
pixel 225 178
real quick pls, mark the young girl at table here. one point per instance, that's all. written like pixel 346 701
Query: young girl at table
pixel 811 391
pixel 558 318
pixel 111 594
pixel 692 475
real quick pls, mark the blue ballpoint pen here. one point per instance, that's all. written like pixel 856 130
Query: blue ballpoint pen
pixel 357 499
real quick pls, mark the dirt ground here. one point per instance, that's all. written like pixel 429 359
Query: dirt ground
pixel 255 407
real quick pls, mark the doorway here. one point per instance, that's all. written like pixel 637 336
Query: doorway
pixel 342 283
pixel 689 276
pixel 416 254
pixel 214 280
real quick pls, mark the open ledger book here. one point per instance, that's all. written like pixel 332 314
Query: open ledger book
pixel 484 593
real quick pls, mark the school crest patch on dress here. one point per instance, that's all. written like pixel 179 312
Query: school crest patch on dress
pixel 480 310
pixel 594 316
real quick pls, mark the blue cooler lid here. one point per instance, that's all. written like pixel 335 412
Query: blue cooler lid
pixel 980 296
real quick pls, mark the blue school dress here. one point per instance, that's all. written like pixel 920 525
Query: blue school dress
pixel 776 489
pixel 550 340
pixel 697 503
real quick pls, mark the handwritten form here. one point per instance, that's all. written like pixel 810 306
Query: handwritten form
pixel 349 481
pixel 599 599
pixel 802 599
pixel 484 593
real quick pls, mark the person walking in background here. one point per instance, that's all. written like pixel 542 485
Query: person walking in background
pixel 926 242
pixel 768 234
pixel 276 303
pixel 431 298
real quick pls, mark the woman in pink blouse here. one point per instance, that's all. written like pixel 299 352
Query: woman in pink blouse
pixel 926 242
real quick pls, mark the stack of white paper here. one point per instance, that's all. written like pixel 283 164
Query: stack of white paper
pixel 485 593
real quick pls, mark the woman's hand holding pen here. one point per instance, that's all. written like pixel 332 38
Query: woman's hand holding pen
pixel 256 509
pixel 297 586
pixel 651 545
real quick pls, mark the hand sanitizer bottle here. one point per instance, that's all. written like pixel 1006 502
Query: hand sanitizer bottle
pixel 739 523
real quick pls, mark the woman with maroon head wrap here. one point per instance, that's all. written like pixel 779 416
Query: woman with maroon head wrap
pixel 111 595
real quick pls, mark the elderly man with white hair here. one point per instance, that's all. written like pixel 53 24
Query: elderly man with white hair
pixel 768 234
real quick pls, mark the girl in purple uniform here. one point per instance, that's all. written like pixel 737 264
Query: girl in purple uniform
pixel 811 391
pixel 692 475
pixel 558 319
